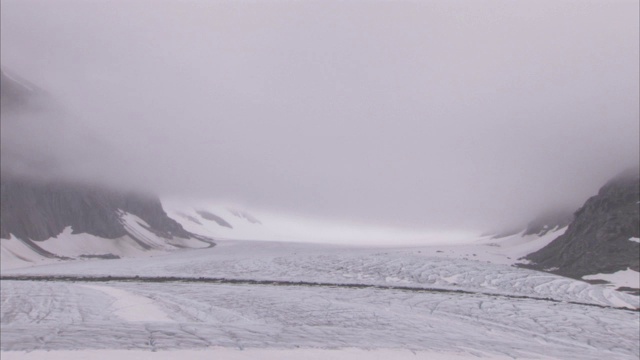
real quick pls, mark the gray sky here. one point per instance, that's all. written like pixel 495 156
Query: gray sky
pixel 436 114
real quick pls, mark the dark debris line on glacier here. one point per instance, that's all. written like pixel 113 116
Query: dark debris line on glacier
pixel 179 279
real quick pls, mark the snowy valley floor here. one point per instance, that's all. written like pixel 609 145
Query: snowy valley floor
pixel 502 313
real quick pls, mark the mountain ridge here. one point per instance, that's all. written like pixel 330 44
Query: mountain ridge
pixel 37 206
pixel 598 240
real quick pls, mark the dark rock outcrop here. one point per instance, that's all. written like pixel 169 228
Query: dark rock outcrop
pixel 40 210
pixel 244 215
pixel 34 206
pixel 213 217
pixel 597 240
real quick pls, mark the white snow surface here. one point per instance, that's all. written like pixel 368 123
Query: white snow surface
pixel 414 266
pixel 218 352
pixel 506 312
pixel 16 253
pixel 139 229
pixel 74 245
pixel 623 278
pixel 270 320
pixel 131 307
pixel 281 227
pixel 508 250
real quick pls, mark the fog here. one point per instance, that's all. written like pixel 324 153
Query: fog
pixel 427 114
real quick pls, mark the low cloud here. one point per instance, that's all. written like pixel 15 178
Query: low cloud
pixel 432 115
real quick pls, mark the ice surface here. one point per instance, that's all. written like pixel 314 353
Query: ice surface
pixel 66 316
pixel 505 312
pixel 259 260
pixel 218 352
pixel 131 307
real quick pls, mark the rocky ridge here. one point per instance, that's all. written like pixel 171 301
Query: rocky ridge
pixel 599 239
pixel 34 208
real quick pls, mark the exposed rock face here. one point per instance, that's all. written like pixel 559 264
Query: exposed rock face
pixel 38 211
pixel 245 215
pixel 34 209
pixel 212 217
pixel 597 241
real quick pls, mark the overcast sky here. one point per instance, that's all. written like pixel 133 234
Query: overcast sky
pixel 430 114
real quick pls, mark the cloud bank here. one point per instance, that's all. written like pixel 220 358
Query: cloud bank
pixel 439 114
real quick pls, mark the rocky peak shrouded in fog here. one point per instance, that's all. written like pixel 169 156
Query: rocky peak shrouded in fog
pixel 35 204
pixel 598 239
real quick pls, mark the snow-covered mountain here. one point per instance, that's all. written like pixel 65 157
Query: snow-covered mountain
pixel 603 239
pixel 44 219
pixel 58 220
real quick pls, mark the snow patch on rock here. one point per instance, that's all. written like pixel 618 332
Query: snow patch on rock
pixel 622 278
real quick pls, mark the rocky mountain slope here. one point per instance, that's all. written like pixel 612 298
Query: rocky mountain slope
pixel 37 210
pixel 602 238
pixel 35 207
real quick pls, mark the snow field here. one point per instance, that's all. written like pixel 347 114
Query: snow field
pixel 141 319
pixel 246 354
pixel 68 316
pixel 259 260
